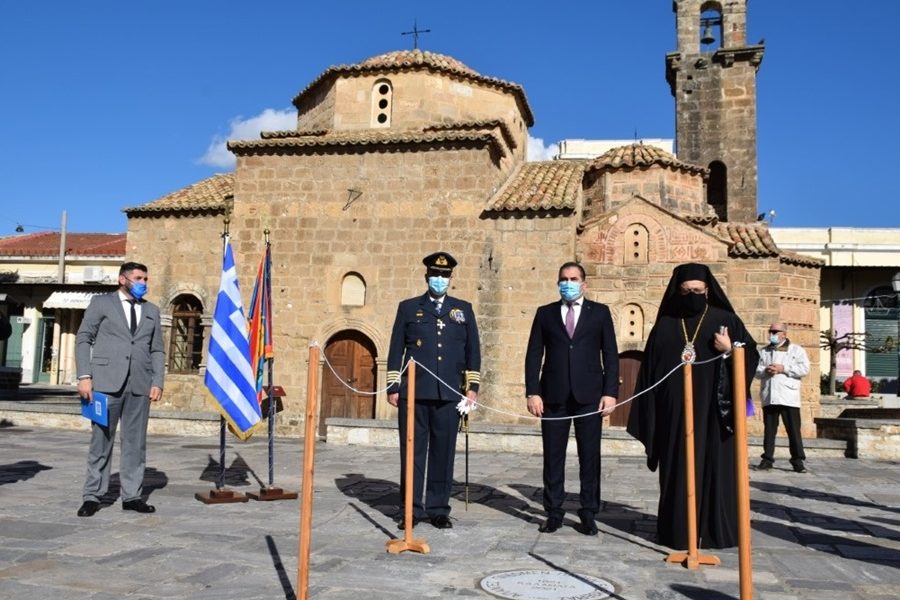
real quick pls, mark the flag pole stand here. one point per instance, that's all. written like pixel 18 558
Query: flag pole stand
pixel 396 546
pixel 221 495
pixel 690 559
pixel 271 491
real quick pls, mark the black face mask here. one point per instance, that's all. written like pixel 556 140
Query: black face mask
pixel 692 304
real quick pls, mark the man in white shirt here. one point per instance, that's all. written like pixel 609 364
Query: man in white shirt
pixel 782 364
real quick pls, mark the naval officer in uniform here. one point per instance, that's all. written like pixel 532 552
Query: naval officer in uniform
pixel 440 333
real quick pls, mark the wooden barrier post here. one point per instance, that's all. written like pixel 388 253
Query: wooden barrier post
pixel 397 546
pixel 691 559
pixel 309 455
pixel 739 394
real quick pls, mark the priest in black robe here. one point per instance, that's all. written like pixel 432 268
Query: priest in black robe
pixel 695 318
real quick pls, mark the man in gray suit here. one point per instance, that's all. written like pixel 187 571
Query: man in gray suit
pixel 119 351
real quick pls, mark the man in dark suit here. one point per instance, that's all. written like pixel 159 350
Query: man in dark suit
pixel 440 334
pixel 571 374
pixel 119 351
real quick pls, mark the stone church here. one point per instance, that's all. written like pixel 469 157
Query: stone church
pixel 409 152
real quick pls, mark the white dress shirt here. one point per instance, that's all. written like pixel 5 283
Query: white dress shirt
pixel 576 306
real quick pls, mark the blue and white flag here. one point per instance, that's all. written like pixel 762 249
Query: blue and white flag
pixel 230 378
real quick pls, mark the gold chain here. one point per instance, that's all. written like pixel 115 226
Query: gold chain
pixel 696 331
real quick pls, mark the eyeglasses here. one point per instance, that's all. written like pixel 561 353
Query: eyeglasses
pixel 685 292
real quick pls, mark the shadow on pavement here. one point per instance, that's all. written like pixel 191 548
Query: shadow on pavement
pixel 154 479
pixel 20 471
pixel 283 578
pixel 806 494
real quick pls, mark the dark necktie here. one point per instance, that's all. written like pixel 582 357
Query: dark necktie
pixel 570 320
pixel 133 316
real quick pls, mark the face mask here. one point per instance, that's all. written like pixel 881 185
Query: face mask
pixel 773 339
pixel 137 288
pixel 438 285
pixel 570 290
pixel 692 304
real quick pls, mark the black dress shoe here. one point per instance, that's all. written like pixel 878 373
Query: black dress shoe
pixel 588 525
pixel 402 524
pixel 88 508
pixel 138 506
pixel 550 525
pixel 442 522
pixel 798 467
pixel 764 465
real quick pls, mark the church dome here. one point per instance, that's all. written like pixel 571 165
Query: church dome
pixel 415 58
pixel 638 156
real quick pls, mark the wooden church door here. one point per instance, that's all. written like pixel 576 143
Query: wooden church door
pixel 352 355
pixel 629 365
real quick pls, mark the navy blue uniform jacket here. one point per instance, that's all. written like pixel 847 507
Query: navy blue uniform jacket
pixel 446 343
pixel 586 366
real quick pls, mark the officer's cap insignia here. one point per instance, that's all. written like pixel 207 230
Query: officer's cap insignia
pixel 440 261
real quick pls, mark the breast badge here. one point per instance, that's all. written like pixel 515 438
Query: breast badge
pixel 457 316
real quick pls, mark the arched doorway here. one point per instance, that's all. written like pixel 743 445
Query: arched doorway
pixel 352 355
pixel 629 365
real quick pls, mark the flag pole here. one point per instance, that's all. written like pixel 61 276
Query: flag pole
pixel 220 495
pixel 273 393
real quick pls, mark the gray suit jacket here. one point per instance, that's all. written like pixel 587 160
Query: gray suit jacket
pixel 106 350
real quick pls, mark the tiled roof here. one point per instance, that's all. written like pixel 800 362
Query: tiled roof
pixel 546 185
pixel 362 137
pixel 471 125
pixel 208 194
pixel 752 240
pixel 412 60
pixel 46 243
pixel 634 156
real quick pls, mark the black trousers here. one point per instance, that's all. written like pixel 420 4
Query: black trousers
pixel 791 417
pixel 555 438
pixel 436 426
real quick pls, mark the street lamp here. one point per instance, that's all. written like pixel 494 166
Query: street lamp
pixel 895 283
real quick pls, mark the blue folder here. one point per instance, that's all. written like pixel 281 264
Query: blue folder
pixel 98 410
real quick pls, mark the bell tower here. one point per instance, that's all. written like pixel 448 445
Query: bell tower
pixel 712 76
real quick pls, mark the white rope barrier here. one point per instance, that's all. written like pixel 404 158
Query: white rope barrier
pixel 508 413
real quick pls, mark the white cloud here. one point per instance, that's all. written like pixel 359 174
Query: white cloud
pixel 217 155
pixel 538 151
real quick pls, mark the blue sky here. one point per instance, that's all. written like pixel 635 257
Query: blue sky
pixel 109 104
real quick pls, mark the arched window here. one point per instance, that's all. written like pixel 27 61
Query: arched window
pixel 717 189
pixel 186 340
pixel 637 241
pixel 353 290
pixel 631 324
pixel 382 97
pixel 710 27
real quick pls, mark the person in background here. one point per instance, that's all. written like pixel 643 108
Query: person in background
pixel 782 364
pixel 857 386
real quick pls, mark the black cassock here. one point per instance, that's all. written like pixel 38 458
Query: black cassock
pixel 657 420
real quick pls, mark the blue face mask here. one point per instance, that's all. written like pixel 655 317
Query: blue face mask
pixel 137 288
pixel 438 285
pixel 570 290
pixel 773 339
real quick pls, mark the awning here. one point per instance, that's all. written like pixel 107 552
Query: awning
pixel 70 299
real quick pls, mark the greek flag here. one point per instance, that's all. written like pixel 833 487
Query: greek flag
pixel 230 378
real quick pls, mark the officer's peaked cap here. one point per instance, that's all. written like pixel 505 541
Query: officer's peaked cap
pixel 439 261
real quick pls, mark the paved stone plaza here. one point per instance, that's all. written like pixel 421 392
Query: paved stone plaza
pixel 831 533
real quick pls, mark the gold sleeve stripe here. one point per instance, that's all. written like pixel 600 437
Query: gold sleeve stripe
pixel 473 377
pixel 393 377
